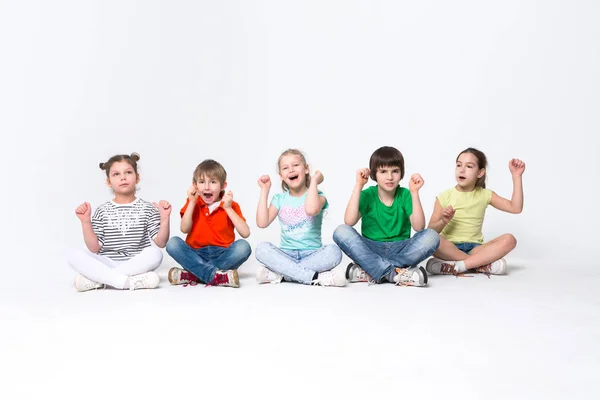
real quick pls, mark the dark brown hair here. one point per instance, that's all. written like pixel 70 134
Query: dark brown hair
pixel 481 164
pixel 130 159
pixel 294 152
pixel 210 169
pixel 386 156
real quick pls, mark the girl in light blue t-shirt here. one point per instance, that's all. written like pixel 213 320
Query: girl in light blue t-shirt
pixel 301 256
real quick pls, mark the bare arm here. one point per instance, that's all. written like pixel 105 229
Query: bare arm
pixel 314 203
pixel 240 225
pixel 164 209
pixel 352 214
pixel 264 214
pixel 515 204
pixel 186 219
pixel 440 216
pixel 417 218
pixel 84 213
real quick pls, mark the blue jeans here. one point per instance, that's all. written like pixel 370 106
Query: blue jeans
pixel 298 265
pixel 205 261
pixel 466 247
pixel 380 259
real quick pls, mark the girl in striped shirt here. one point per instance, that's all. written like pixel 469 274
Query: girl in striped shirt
pixel 120 233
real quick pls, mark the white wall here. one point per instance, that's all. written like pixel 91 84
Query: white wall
pixel 240 81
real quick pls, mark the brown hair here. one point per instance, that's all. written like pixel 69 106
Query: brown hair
pixel 211 169
pixel 386 156
pixel 130 159
pixel 298 153
pixel 481 164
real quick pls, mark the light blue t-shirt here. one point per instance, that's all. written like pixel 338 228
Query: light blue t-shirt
pixel 299 231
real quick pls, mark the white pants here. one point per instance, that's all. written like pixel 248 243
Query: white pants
pixel 104 270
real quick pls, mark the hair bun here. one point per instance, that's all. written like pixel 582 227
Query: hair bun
pixel 102 166
pixel 135 156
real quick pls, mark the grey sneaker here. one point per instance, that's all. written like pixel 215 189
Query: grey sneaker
pixel 355 273
pixel 265 275
pixel 498 267
pixel 83 284
pixel 435 266
pixel 415 276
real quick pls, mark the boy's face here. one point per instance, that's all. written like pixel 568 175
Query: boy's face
pixel 388 178
pixel 209 189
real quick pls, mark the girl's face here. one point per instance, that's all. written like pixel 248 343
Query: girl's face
pixel 122 178
pixel 467 171
pixel 292 171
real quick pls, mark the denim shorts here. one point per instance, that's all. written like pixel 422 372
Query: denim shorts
pixel 466 247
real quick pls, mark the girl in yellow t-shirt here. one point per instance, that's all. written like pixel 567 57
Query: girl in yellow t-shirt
pixel 458 216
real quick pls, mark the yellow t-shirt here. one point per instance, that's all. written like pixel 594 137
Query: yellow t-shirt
pixel 465 226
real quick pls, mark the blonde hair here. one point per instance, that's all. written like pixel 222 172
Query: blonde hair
pixel 294 152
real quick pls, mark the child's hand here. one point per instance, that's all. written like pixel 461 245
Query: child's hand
pixel 227 199
pixel 317 177
pixel 362 176
pixel 264 182
pixel 448 214
pixel 84 212
pixel 164 208
pixel 192 193
pixel 416 182
pixel 516 166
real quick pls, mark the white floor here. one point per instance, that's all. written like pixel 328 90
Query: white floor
pixel 532 334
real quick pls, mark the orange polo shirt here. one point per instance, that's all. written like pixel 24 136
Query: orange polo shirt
pixel 211 229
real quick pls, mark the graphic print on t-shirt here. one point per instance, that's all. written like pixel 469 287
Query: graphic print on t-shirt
pixel 124 218
pixel 295 220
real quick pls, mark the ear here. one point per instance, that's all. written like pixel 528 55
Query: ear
pixel 138 179
pixel 224 186
pixel 108 183
pixel 481 173
pixel 307 168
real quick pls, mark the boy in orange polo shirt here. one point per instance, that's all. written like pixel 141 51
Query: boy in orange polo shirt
pixel 210 253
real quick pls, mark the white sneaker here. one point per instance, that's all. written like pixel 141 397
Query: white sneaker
pixel 498 267
pixel 435 266
pixel 265 275
pixel 335 277
pixel 149 280
pixel 416 276
pixel 83 284
pixel 355 273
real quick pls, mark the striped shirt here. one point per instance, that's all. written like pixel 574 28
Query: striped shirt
pixel 124 230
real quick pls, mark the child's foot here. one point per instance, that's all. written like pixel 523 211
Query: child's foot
pixel 148 280
pixel 83 284
pixel 335 277
pixel 355 273
pixel 178 276
pixel 415 276
pixel 225 278
pixel 498 267
pixel 435 266
pixel 265 275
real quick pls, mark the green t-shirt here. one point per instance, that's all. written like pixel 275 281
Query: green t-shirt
pixel 382 223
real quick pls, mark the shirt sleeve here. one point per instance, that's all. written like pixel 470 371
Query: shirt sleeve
pixel 98 225
pixel 326 205
pixel 407 202
pixel 488 195
pixel 276 200
pixel 364 202
pixel 236 207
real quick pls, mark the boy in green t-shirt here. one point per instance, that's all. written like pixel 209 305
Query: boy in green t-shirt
pixel 385 251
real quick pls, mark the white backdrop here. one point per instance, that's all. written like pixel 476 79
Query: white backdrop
pixel 241 81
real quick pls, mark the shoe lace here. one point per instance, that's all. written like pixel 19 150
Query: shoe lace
pixel 405 273
pixel 219 279
pixel 189 277
pixel 486 270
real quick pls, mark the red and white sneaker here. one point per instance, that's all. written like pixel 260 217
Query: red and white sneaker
pixel 178 276
pixel 498 267
pixel 225 278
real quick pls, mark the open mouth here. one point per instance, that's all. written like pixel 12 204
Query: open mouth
pixel 293 177
pixel 208 196
pixel 462 178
